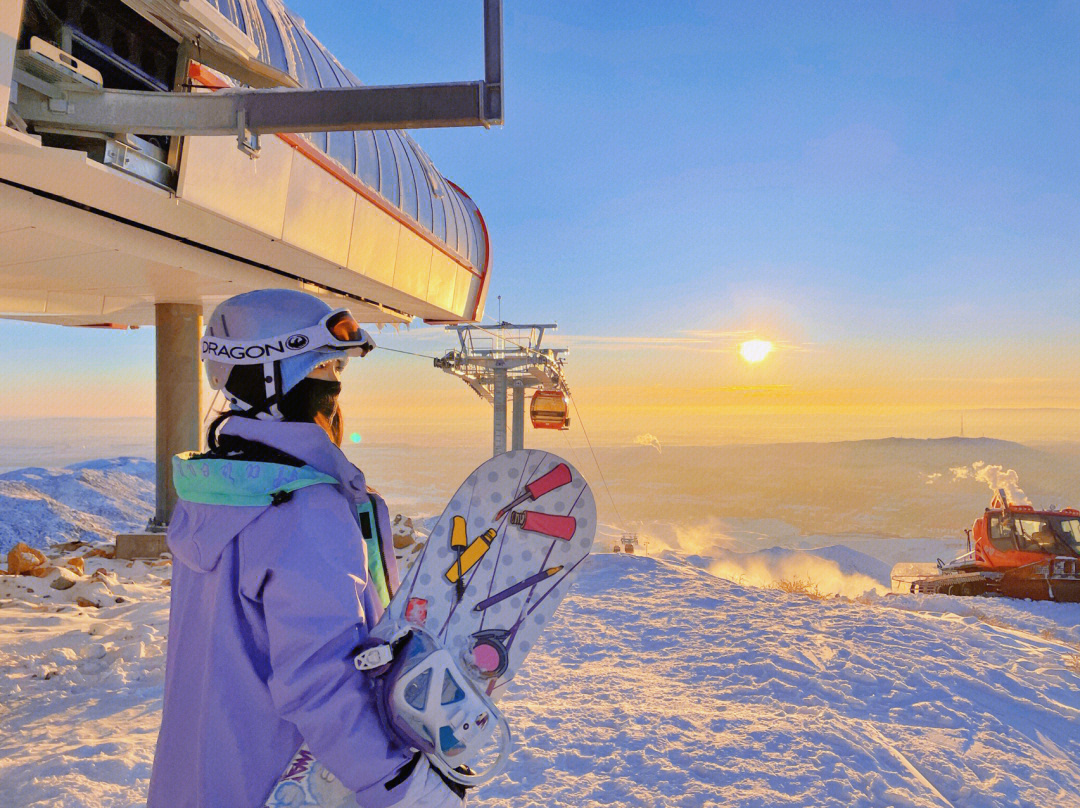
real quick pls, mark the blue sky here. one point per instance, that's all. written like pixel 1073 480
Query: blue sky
pixel 889 190
pixel 663 162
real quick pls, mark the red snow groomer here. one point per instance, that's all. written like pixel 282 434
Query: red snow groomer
pixel 1018 552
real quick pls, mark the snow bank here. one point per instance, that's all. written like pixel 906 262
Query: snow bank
pixel 80 686
pixel 770 552
pixel 657 684
pixel 828 570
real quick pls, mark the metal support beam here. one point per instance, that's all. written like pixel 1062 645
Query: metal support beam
pixel 179 387
pixel 499 443
pixel 234 112
pixel 493 61
pixel 517 430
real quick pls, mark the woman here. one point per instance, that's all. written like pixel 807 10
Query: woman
pixel 273 585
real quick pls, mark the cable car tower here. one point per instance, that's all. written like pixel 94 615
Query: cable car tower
pixel 492 358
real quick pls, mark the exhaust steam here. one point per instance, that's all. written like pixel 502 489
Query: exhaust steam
pixel 648 440
pixel 995 477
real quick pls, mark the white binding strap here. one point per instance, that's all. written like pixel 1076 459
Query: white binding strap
pixel 378 655
pixel 374 657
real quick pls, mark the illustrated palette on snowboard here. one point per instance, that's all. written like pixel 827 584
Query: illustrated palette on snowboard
pixel 495 567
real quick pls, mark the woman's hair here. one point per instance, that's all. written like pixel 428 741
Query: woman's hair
pixel 310 401
pixel 334 427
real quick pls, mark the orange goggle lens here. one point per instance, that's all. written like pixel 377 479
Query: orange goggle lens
pixel 343 327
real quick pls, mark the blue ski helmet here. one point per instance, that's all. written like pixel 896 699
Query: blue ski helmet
pixel 288 332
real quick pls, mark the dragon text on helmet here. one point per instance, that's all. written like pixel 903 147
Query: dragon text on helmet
pixel 262 350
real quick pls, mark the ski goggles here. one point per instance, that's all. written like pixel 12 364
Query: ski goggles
pixel 338 330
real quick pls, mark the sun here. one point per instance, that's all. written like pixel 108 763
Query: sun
pixel 754 350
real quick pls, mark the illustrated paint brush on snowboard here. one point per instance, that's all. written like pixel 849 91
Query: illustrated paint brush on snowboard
pixel 470 609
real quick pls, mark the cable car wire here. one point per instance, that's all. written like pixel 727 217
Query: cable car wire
pixel 585 432
pixel 410 353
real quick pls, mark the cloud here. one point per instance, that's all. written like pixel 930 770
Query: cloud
pixel 692 340
pixel 648 440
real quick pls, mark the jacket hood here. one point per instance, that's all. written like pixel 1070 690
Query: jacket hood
pixel 306 442
pixel 220 497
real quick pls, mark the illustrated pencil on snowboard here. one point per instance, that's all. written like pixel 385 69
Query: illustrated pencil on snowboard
pixel 495 567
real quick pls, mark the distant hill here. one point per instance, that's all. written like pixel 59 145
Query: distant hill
pixel 892 486
pixel 88 501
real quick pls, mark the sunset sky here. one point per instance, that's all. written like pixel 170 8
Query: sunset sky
pixel 889 192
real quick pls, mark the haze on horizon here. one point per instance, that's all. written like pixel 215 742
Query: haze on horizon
pixel 887 192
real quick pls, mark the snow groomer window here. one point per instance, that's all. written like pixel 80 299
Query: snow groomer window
pixel 1034 534
pixel 1001 535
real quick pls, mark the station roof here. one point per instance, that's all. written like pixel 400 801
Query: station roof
pixel 389 162
pixel 363 216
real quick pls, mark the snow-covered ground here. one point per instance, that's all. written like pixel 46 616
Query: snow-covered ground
pixel 657 684
pixel 80 686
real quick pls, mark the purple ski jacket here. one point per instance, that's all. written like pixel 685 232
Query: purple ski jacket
pixel 268 604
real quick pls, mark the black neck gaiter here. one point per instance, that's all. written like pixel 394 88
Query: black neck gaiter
pixel 309 398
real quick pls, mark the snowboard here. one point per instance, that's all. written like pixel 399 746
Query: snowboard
pixel 496 564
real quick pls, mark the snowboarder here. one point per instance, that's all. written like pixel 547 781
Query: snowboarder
pixel 279 574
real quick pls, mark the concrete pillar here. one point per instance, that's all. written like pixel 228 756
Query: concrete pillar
pixel 517 431
pixel 179 389
pixel 11 12
pixel 499 443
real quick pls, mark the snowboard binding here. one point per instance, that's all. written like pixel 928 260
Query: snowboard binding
pixel 428 703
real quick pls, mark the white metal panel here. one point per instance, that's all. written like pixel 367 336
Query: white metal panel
pixel 319 212
pixel 462 282
pixel 155 227
pixel 116 303
pixel 10 18
pixel 217 176
pixel 75 303
pixel 440 290
pixel 475 289
pixel 413 264
pixel 31 244
pixel 22 301
pixel 374 245
pixel 15 222
pixel 111 272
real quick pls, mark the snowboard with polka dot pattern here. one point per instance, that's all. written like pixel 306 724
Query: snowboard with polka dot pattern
pixel 502 555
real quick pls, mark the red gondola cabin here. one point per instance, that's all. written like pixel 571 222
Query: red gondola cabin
pixel 548 410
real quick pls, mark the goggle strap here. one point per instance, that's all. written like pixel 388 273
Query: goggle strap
pixel 272 376
pixel 271 411
pixel 254 352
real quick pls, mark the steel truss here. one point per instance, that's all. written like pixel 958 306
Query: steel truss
pixel 494 358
